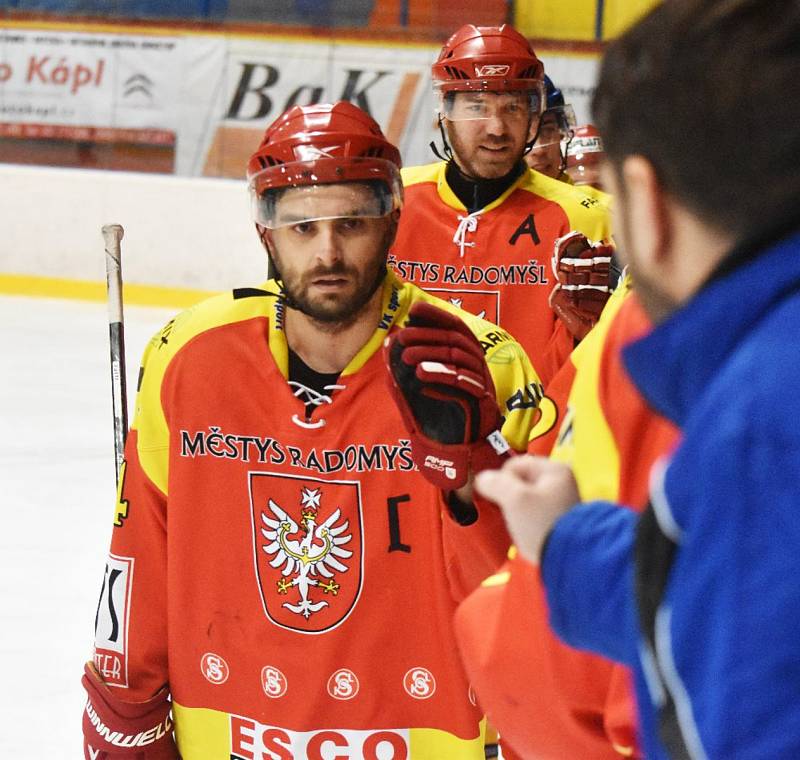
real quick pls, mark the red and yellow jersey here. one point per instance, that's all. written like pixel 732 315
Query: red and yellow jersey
pixel 495 262
pixel 552 701
pixel 293 580
pixel 608 434
pixel 565 393
pixel 595 192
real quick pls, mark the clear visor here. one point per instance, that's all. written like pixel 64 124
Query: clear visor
pixel 282 206
pixel 557 125
pixel 471 105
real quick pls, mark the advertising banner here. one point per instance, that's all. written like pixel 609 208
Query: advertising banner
pixel 193 104
pixel 104 100
pixel 265 77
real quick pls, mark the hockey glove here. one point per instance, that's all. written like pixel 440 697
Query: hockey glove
pixel 440 382
pixel 583 271
pixel 114 729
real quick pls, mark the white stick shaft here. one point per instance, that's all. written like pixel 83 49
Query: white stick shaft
pixel 112 235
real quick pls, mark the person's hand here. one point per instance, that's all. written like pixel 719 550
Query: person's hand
pixel 583 271
pixel 115 729
pixel 440 382
pixel 532 492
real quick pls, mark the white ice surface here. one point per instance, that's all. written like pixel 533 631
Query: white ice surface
pixel 57 494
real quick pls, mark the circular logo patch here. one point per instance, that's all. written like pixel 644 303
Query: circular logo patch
pixel 214 668
pixel 419 683
pixel 273 682
pixel 343 684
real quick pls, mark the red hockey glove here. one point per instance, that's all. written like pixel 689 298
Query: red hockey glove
pixel 442 386
pixel 117 730
pixel 583 271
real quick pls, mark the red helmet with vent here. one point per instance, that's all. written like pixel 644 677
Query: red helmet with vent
pixel 586 146
pixel 584 156
pixel 324 144
pixel 493 58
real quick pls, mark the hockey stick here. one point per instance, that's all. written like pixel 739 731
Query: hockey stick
pixel 112 235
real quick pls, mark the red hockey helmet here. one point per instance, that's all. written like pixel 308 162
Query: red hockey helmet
pixel 586 146
pixel 488 58
pixel 584 156
pixel 324 144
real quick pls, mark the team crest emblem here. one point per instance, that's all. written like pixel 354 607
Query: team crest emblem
pixel 482 303
pixel 308 549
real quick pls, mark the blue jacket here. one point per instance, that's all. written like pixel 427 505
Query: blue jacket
pixel 701 595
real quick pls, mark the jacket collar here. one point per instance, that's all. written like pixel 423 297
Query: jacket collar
pixel 674 363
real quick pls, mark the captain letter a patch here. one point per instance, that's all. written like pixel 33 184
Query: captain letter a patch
pixel 308 549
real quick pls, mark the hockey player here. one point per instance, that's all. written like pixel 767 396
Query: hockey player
pixel 289 545
pixel 479 227
pixel 698 594
pixel 553 136
pixel 554 701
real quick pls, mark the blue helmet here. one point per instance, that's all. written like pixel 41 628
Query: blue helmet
pixel 555 97
pixel 557 124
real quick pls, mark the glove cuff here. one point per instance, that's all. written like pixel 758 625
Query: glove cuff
pixel 115 728
pixel 448 467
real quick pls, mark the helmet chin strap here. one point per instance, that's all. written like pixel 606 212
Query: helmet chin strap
pixel 448 151
pixel 564 152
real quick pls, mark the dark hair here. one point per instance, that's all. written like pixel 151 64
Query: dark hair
pixel 709 92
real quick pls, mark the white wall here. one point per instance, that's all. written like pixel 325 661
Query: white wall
pixel 179 232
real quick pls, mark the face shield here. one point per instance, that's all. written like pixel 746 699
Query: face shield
pixel 324 188
pixel 471 100
pixel 557 125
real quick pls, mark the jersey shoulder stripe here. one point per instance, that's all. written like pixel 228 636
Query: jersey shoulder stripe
pixel 414 175
pixel 164 346
pixel 594 192
pixel 586 441
pixel 587 213
pixel 225 308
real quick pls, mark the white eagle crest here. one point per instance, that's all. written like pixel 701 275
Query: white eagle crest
pixel 460 303
pixel 317 552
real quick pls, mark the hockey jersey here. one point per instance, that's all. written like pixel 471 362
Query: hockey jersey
pixel 553 701
pixel 293 580
pixel 496 262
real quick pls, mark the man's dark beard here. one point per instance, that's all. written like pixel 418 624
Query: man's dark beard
pixel 339 314
pixel 345 314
